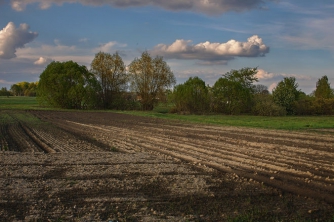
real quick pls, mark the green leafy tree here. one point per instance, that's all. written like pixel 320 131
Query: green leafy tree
pixel 4 92
pixel 16 90
pixel 150 79
pixel 24 89
pixel 19 88
pixel 323 89
pixel 67 85
pixel 191 96
pixel 233 93
pixel 226 96
pixel 286 93
pixel 264 105
pixel 31 90
pixel 111 74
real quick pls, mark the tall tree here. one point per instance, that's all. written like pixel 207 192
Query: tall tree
pixel 16 90
pixel 19 88
pixel 111 73
pixel 191 96
pixel 233 92
pixel 67 85
pixel 4 92
pixel 150 78
pixel 286 93
pixel 323 89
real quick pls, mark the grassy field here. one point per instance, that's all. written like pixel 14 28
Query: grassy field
pixel 18 102
pixel 284 122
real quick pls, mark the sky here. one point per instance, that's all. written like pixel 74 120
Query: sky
pixel 204 38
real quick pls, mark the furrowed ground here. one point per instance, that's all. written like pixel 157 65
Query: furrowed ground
pixel 106 166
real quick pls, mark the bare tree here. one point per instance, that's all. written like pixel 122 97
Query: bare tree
pixel 150 78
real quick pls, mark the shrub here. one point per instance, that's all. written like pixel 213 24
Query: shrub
pixel 191 97
pixel 324 106
pixel 304 106
pixel 265 106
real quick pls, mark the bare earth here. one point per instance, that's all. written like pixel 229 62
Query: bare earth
pixel 82 166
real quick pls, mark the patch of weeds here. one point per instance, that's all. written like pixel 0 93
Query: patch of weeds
pixel 60 219
pixel 5 148
pixel 114 149
pixel 71 182
pixel 254 214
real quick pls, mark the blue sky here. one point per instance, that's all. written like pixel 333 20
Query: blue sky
pixel 204 38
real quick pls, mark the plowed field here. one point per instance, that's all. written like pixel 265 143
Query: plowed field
pixel 84 166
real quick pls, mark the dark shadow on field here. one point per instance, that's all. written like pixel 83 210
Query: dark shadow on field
pixel 223 200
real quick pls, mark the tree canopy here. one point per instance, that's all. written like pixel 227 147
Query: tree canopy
pixel 323 89
pixel 286 93
pixel 232 93
pixel 111 73
pixel 24 89
pixel 67 85
pixel 150 78
pixel 191 96
pixel 148 81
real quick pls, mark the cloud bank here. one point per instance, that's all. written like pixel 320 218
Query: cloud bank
pixel 12 38
pixel 203 6
pixel 212 53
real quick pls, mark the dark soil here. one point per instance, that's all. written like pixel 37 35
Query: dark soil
pixel 96 166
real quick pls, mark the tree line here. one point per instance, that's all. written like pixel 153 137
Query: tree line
pixel 236 93
pixel 148 81
pixel 20 89
pixel 108 85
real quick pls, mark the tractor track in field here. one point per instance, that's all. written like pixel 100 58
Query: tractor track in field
pixel 69 158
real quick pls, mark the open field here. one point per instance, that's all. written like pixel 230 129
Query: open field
pixel 18 102
pixel 318 123
pixel 263 122
pixel 107 166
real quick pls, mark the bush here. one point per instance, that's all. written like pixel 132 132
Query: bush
pixel 314 106
pixel 304 106
pixel 265 106
pixel 324 106
pixel 191 97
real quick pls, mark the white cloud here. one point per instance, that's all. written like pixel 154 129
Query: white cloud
pixel 263 75
pixel 60 52
pixel 108 47
pixel 203 6
pixel 272 86
pixel 12 38
pixel 212 52
pixel 271 80
pixel 47 51
pixel 57 52
pixel 43 61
